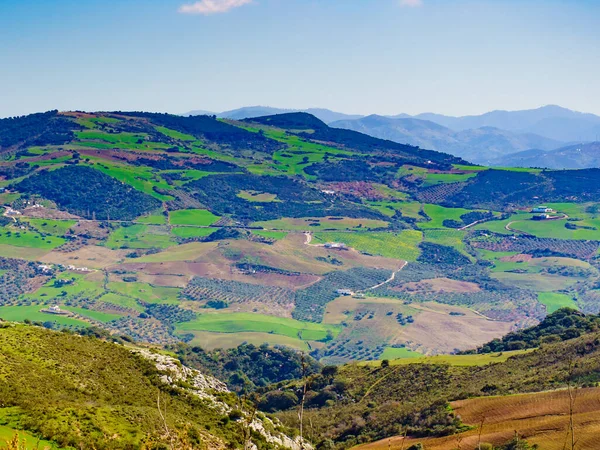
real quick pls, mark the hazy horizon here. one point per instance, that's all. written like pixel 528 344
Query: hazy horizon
pixel 452 57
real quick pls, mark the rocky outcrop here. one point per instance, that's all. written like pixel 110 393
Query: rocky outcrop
pixel 208 388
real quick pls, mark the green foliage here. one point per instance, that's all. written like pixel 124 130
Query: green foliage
pixel 247 366
pixel 561 325
pixel 225 322
pixel 211 129
pixel 47 128
pixel 412 397
pixel 89 193
pixel 440 254
pixel 400 245
pixel 85 393
pixel 198 217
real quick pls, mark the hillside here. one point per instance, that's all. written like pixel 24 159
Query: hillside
pixel 479 145
pixel 82 392
pixel 579 156
pixel 248 112
pixel 551 121
pixel 283 230
pixel 403 397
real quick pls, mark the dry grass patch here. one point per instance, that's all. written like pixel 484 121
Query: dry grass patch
pixel 91 256
pixel 540 418
pixel 435 330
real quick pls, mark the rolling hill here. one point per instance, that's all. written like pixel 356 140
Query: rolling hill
pixel 235 244
pixel 283 230
pixel 248 112
pixel 77 391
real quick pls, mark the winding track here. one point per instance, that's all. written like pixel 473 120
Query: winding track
pixel 508 228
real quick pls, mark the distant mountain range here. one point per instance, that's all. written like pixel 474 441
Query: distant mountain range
pixel 550 121
pixel 486 139
pixel 249 112
pixel 579 156
pixel 480 145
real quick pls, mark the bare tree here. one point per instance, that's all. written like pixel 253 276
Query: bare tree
pixel 249 408
pixel 572 391
pixel 168 433
pixel 480 431
pixel 303 396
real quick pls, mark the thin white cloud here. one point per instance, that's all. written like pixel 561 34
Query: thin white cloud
pixel 411 3
pixel 208 7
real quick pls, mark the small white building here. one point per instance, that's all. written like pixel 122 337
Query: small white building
pixel 541 209
pixel 344 292
pixel 336 245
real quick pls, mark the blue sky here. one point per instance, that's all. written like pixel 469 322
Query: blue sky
pixel 357 56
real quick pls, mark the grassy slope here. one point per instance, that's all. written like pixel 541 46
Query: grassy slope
pixel 100 392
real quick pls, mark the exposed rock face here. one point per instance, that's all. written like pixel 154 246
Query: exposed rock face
pixel 206 387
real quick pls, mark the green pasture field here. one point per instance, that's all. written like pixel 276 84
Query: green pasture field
pixel 32 312
pixel 412 170
pixel 389 208
pixel 17 237
pixel 51 226
pixel 198 217
pixel 112 138
pixel 402 245
pixel 209 340
pixel 535 281
pixel 517 169
pixel 146 292
pixel 294 162
pixel 390 193
pixel 258 197
pixel 140 236
pixel 139 177
pixel 397 353
pixel 453 360
pixel 31 441
pixel 291 160
pixel 499 226
pixel 153 219
pixel 192 232
pixel 447 237
pixel 7 198
pixel 91 123
pixel 79 286
pixel 556 229
pixel 53 161
pixel 96 315
pixel 175 134
pixel 433 179
pixel 554 301
pixel 277 235
pixel 28 253
pixel 503 266
pixel 308 223
pixel 190 175
pixel 263 169
pixel 248 322
pixel 121 300
pixel 438 214
pixel 469 168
